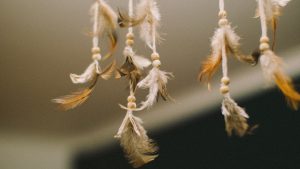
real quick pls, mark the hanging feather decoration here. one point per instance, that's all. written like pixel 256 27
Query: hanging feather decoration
pixel 104 21
pixel 77 98
pixel 271 64
pixel 225 41
pixel 213 62
pixel 138 147
pixel 235 118
pixel 272 10
pixel 272 69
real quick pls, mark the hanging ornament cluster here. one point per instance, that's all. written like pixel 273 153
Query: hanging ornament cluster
pixel 104 21
pixel 138 147
pixel 225 42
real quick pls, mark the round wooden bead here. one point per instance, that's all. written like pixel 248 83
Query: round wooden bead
pixel 131 99
pixel 225 81
pixel 96 56
pixel 156 63
pixel 155 56
pixel 222 14
pixel 264 39
pixel 264 46
pixel 131 105
pixel 223 22
pixel 130 36
pixel 129 42
pixel 224 89
pixel 95 50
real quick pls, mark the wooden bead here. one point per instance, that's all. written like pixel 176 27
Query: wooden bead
pixel 130 36
pixel 155 56
pixel 129 42
pixel 223 22
pixel 131 105
pixel 264 46
pixel 131 99
pixel 96 56
pixel 222 14
pixel 225 81
pixel 156 63
pixel 264 39
pixel 224 89
pixel 95 50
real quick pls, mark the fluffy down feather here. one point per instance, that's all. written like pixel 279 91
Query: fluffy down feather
pixel 235 118
pixel 87 75
pixel 139 148
pixel 156 81
pixel 272 68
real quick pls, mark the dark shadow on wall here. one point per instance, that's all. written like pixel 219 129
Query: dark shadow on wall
pixel 201 143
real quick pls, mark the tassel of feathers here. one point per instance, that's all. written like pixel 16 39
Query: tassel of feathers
pixel 139 148
pixel 156 81
pixel 213 62
pixel 77 98
pixel 272 10
pixel 272 68
pixel 235 118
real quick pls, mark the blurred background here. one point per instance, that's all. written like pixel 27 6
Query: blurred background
pixel 41 42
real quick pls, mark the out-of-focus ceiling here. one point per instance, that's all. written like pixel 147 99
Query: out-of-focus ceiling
pixel 41 42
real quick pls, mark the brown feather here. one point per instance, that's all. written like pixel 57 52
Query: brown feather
pixel 235 120
pixel 126 21
pixel 209 67
pixel 286 86
pixel 130 71
pixel 139 149
pixel 75 99
pixel 108 71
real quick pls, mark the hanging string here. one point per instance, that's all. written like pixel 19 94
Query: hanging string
pixel 95 26
pixel 263 21
pixel 154 38
pixel 221 5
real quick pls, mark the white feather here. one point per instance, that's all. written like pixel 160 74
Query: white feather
pixel 149 9
pixel 270 63
pixel 216 43
pixel 281 3
pixel 87 75
pixel 140 62
pixel 153 81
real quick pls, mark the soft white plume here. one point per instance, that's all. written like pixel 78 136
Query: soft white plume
pixel 156 82
pixel 87 75
pixel 149 10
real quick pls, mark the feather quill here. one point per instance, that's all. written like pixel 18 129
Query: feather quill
pixel 235 118
pixel 156 81
pixel 139 148
pixel 272 68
